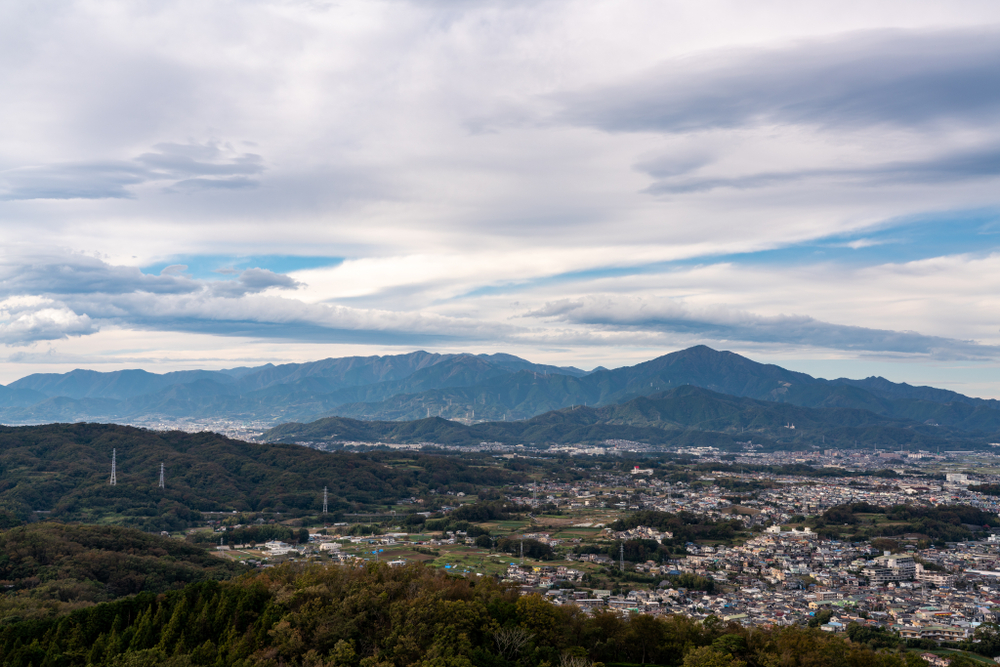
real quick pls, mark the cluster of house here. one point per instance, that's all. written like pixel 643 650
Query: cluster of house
pixel 787 577
pixel 640 533
pixel 543 576
pixel 788 495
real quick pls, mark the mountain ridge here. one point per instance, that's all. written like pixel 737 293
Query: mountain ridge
pixel 467 387
pixel 680 416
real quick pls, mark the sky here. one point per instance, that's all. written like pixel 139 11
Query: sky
pixel 214 184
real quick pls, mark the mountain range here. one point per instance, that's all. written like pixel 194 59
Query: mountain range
pixel 684 416
pixel 499 388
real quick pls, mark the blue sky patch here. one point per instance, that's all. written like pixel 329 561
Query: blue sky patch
pixel 893 242
pixel 214 267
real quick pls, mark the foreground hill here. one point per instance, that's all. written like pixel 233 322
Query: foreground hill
pixel 459 386
pixel 377 615
pixel 51 568
pixel 61 471
pixel 682 416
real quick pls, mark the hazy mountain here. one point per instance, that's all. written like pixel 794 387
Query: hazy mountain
pixel 473 388
pixel 685 414
pixel 116 384
pixel 269 392
pixel 523 395
pixel 13 397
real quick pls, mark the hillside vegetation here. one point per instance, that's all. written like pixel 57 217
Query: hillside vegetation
pixel 61 471
pixel 383 617
pixel 49 569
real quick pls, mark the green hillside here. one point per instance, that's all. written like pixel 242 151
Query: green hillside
pixel 382 617
pixel 49 569
pixel 61 471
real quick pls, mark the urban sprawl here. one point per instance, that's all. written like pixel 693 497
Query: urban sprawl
pixel 783 573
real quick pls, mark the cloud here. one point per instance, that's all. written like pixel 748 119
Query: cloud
pixel 176 166
pixel 50 274
pixel 346 133
pixel 722 323
pixel 860 79
pixel 957 166
pixel 73 295
pixel 70 275
pixel 96 180
pixel 252 281
pixel 24 320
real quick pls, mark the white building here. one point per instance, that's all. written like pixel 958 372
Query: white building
pixel 276 548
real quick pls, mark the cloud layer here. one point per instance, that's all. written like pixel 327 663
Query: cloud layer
pixel 575 181
pixel 725 324
pixel 873 78
pixel 175 166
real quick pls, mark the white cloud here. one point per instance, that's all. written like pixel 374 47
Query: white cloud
pixel 728 325
pixel 27 319
pixel 474 161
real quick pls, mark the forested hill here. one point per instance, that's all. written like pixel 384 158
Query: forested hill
pixel 50 569
pixel 61 471
pixel 382 617
pixel 682 416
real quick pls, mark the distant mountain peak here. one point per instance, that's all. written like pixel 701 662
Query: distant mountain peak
pixel 469 387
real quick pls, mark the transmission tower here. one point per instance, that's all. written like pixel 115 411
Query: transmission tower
pixel 161 476
pixel 114 477
pixel 621 556
pixel 522 552
pixel 324 500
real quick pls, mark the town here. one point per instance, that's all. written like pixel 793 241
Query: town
pixel 779 558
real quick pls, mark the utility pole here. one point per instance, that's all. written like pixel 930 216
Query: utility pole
pixel 161 477
pixel 114 477
pixel 324 500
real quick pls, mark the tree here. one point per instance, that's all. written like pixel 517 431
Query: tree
pixel 706 656
pixel 644 634
pixel 510 640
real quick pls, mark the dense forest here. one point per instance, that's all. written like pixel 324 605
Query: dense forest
pixel 376 616
pixel 61 471
pixel 49 569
